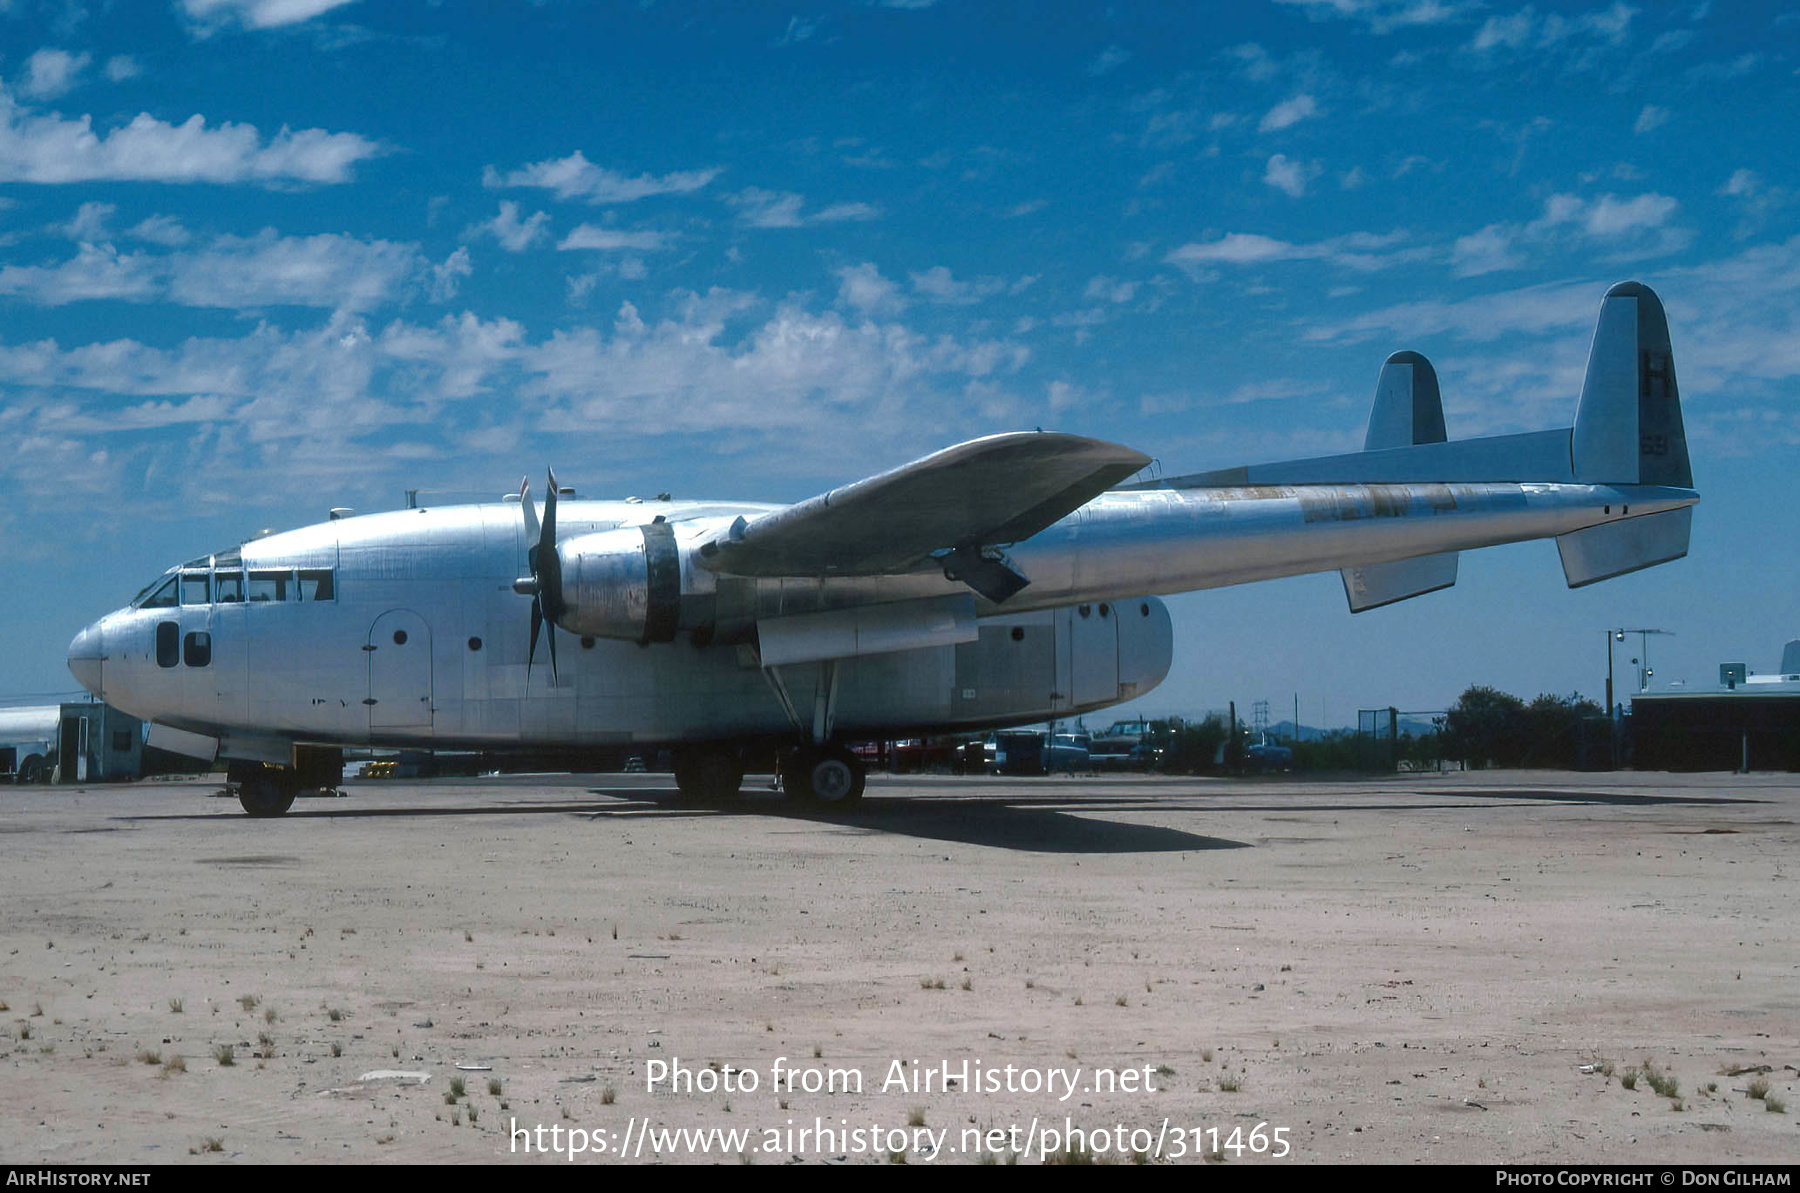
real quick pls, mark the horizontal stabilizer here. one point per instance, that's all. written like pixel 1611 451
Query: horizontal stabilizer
pixel 1374 585
pixel 986 492
pixel 866 630
pixel 1614 548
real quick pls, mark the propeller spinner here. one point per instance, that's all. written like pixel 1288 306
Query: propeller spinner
pixel 544 585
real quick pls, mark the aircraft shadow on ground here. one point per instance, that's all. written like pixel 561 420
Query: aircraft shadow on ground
pixel 1017 820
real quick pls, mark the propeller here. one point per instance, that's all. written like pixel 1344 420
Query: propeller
pixel 544 585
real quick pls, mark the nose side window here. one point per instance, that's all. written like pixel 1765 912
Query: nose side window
pixel 168 643
pixel 197 649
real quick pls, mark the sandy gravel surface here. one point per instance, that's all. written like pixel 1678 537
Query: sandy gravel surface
pixel 1412 968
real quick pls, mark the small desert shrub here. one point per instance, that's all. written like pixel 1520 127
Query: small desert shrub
pixel 224 1055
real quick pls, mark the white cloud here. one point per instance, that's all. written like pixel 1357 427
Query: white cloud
pixel 46 148
pixel 1384 16
pixel 121 67
pixel 863 287
pixel 1110 59
pixel 589 236
pixel 515 235
pixel 938 284
pixel 257 14
pixel 161 229
pixel 330 271
pixel 1650 118
pixel 326 271
pixel 50 73
pixel 1526 29
pixel 574 177
pixel 90 222
pixel 768 209
pixel 1610 216
pixel 96 272
pixel 448 276
pixel 840 212
pixel 1110 289
pixel 1485 251
pixel 760 208
pixel 1288 176
pixel 1288 112
pixel 1362 251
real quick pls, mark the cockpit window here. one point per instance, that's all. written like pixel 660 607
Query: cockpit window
pixel 195 588
pixel 163 597
pixel 271 586
pixel 228 588
pixel 316 585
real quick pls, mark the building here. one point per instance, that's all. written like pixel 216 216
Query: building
pixel 1744 722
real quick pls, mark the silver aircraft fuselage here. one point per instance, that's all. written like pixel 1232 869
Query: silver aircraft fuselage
pixel 419 637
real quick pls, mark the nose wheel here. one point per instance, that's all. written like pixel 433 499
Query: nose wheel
pixel 830 776
pixel 267 791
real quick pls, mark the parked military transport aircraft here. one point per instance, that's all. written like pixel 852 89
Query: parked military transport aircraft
pixel 1002 581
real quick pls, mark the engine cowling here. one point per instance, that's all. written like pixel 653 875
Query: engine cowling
pixel 623 583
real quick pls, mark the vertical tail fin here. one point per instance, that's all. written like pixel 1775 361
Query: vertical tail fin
pixel 1408 410
pixel 1628 428
pixel 1628 431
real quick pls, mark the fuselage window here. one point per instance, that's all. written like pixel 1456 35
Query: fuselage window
pixel 316 585
pixel 197 649
pixel 168 643
pixel 195 588
pixel 163 598
pixel 228 588
pixel 270 586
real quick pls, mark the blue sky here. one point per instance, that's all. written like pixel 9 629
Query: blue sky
pixel 259 258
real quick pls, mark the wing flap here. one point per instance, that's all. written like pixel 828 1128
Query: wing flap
pixel 986 492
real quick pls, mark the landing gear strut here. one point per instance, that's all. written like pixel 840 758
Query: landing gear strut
pixel 828 775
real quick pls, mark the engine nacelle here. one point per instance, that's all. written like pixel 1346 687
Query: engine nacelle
pixel 623 583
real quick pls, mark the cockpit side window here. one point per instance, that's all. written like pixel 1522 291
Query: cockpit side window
pixel 272 586
pixel 228 588
pixel 316 585
pixel 195 588
pixel 163 596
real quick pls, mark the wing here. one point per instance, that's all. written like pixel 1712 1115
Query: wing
pixel 984 493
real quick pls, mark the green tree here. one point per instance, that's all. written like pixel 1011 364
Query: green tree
pixel 1486 727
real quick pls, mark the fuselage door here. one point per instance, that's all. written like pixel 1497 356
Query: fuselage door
pixel 399 650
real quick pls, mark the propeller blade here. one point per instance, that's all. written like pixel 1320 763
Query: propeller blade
pixel 531 522
pixel 554 680
pixel 537 623
pixel 547 567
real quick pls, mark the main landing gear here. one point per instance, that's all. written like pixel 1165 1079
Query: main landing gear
pixel 708 773
pixel 828 775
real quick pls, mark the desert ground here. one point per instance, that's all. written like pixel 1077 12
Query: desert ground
pixel 1469 968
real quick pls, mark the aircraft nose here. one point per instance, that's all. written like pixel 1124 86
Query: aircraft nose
pixel 86 652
